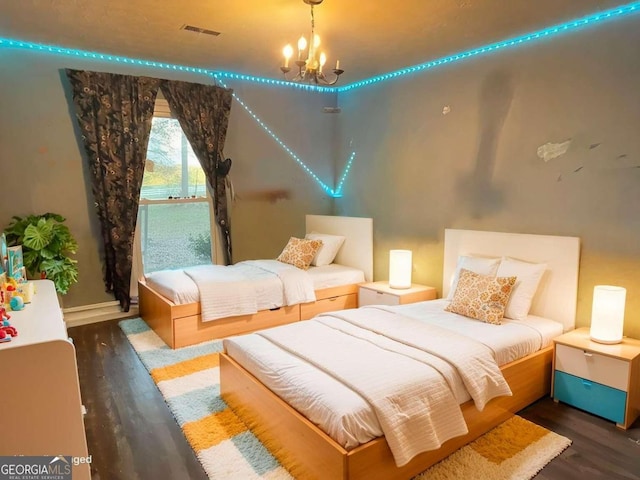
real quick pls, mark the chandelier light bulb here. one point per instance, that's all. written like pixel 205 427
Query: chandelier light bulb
pixel 323 60
pixel 302 46
pixel 287 51
pixel 316 41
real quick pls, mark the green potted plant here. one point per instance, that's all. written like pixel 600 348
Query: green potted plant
pixel 46 245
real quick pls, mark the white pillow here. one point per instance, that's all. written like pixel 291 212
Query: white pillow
pixel 330 246
pixel 528 278
pixel 479 265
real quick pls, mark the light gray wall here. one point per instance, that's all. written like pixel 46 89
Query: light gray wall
pixel 273 192
pixel 43 170
pixel 419 170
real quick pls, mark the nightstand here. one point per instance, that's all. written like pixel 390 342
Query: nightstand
pixel 379 293
pixel 601 379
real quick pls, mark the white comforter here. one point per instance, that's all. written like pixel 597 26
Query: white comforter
pixel 227 291
pixel 402 367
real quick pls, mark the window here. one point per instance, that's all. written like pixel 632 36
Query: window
pixel 174 216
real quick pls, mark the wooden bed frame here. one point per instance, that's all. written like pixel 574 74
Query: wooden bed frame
pixel 180 325
pixel 308 453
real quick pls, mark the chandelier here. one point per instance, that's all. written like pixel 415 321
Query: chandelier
pixel 309 69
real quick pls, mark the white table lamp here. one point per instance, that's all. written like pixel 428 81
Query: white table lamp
pixel 607 314
pixel 400 268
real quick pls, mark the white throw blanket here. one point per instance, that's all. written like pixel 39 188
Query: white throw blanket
pixel 410 395
pixel 297 286
pixel 227 291
pixel 473 360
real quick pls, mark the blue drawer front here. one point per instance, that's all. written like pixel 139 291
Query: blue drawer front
pixel 593 397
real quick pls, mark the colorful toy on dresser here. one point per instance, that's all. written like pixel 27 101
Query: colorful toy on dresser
pixel 14 294
pixel 7 332
pixel 13 287
pixel 11 262
pixel 15 290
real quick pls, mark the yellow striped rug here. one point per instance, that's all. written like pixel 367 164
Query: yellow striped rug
pixel 189 381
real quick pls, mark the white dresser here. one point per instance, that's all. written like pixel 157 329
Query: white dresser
pixel 40 394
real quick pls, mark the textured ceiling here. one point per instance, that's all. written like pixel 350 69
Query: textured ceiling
pixel 369 37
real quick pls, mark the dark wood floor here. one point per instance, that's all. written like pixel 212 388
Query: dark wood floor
pixel 132 435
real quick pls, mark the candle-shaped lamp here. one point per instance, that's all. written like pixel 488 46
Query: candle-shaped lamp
pixel 287 51
pixel 323 60
pixel 302 46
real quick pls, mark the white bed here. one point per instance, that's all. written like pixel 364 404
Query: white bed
pixel 180 288
pixel 251 375
pixel 171 303
pixel 343 414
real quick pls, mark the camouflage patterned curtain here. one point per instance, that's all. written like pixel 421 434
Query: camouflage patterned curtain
pixel 203 113
pixel 114 113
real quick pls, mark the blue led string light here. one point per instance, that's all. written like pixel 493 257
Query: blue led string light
pixel 331 192
pixel 309 87
pixel 550 31
pixel 561 28
pixel 345 173
pixel 623 10
pixel 70 52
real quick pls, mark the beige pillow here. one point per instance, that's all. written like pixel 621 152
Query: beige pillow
pixel 299 252
pixel 482 297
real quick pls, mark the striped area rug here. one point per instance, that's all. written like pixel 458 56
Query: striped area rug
pixel 189 380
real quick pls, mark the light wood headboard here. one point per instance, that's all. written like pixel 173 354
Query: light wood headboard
pixel 557 294
pixel 357 249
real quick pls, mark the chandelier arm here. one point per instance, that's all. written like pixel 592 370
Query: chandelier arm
pixel 322 79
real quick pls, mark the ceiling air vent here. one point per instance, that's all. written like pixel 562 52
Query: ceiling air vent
pixel 192 28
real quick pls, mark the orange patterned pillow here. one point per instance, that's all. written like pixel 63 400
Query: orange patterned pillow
pixel 299 252
pixel 482 297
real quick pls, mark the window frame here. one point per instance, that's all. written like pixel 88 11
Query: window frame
pixel 162 110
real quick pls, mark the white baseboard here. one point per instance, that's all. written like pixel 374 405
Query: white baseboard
pixel 97 312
